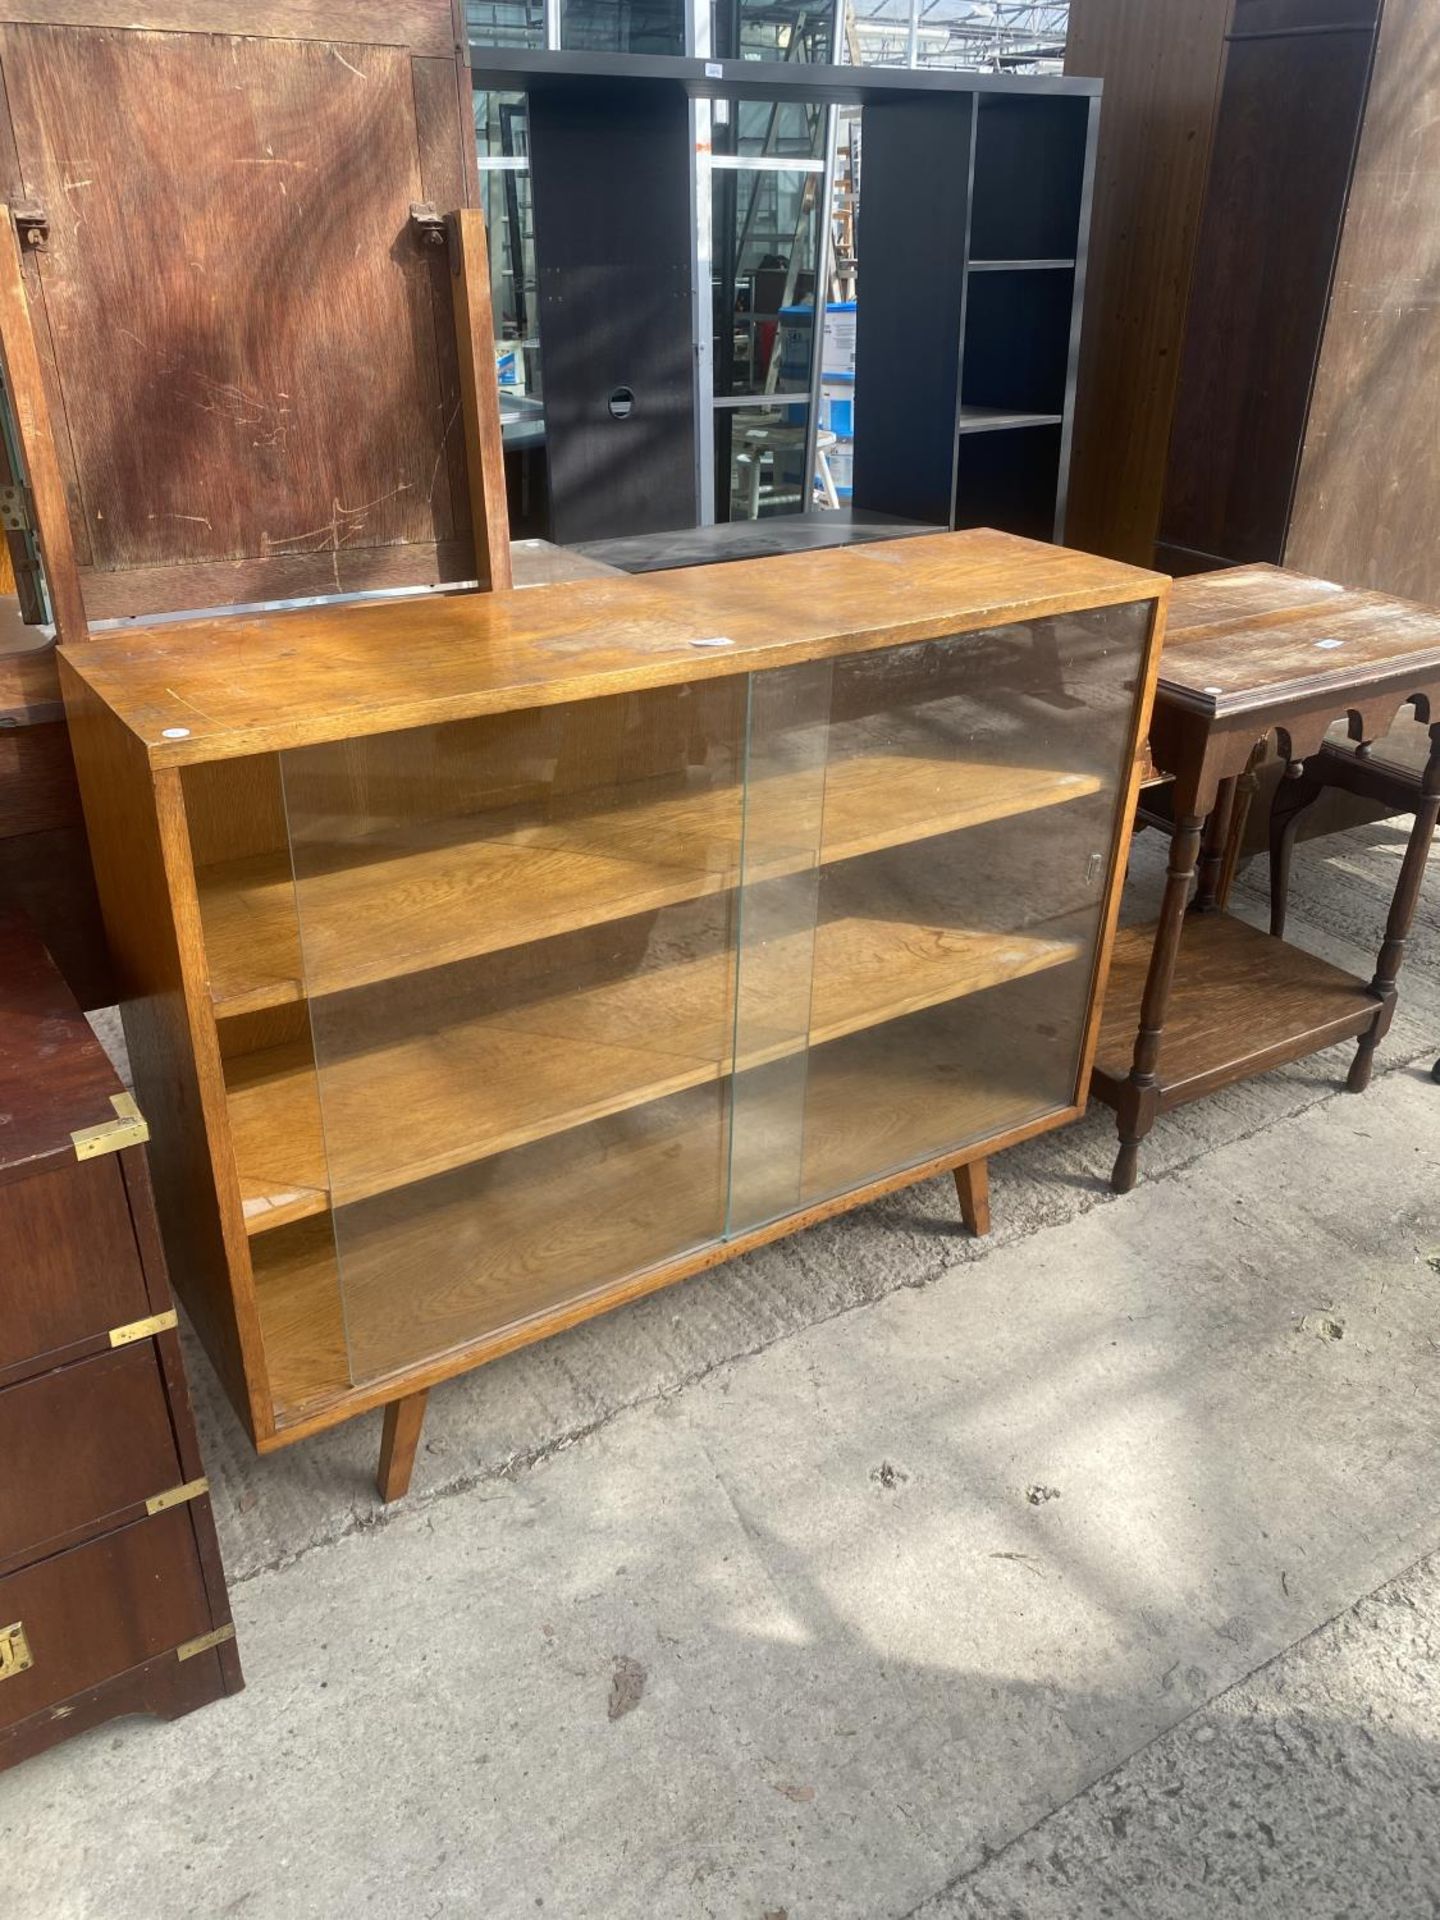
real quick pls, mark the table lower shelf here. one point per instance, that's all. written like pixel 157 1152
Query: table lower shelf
pixel 1241 1004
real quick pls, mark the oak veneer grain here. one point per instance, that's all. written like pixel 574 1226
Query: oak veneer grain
pixel 459 1089
pixel 444 890
pixel 619 1198
pixel 572 1223
pixel 140 842
pixel 248 684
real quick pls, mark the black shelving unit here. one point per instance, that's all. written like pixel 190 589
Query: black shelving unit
pixel 973 223
pixel 974 212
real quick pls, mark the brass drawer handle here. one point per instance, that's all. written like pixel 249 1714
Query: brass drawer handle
pixel 15 1655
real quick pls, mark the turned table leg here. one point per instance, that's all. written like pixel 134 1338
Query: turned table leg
pixel 1246 788
pixel 1402 912
pixel 972 1183
pixel 1214 847
pixel 1139 1095
pixel 398 1441
pixel 1298 790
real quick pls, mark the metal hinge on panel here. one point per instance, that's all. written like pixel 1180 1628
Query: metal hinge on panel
pixel 127 1129
pixel 205 1643
pixel 428 224
pixel 177 1496
pixel 32 224
pixel 15 1655
pixel 17 509
pixel 142 1329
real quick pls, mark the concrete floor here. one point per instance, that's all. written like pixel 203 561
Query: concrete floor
pixel 878 1575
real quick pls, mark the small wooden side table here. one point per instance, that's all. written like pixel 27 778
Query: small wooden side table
pixel 1198 1002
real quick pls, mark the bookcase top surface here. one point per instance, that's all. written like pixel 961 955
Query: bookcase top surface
pixel 224 686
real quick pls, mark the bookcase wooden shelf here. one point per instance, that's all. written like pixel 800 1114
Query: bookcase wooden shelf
pixel 491 961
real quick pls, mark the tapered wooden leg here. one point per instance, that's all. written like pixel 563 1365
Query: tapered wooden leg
pixel 972 1183
pixel 1140 1094
pixel 1402 912
pixel 398 1441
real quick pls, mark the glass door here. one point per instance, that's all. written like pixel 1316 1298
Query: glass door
pixel 518 940
pixel 924 982
pixel 594 986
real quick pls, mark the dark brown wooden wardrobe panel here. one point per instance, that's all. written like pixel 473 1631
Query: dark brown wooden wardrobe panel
pixel 1366 506
pixel 1291 100
pixel 1160 61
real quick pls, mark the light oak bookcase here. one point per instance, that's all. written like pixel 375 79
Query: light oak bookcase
pixel 494 959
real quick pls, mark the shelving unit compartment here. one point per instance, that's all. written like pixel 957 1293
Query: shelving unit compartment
pixel 1029 177
pixel 413 1272
pixel 460 1077
pixel 477 884
pixel 1009 480
pixel 1017 343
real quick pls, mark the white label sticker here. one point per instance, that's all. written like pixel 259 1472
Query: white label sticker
pixel 714 70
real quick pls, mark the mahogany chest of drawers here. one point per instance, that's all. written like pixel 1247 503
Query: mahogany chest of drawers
pixel 112 1596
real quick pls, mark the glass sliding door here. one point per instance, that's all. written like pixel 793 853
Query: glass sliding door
pixel 518 939
pixel 913 976
pixel 587 990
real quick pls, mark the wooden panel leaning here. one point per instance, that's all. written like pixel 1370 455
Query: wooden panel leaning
pixel 626 925
pixel 112 1596
pixel 243 315
pixel 241 360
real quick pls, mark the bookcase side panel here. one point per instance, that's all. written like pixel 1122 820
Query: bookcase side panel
pixel 137 836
